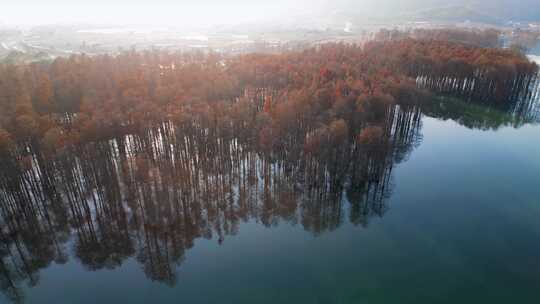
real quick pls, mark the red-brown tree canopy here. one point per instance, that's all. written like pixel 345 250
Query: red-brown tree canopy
pixel 84 98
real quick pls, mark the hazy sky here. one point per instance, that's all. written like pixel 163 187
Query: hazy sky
pixel 207 12
pixel 150 11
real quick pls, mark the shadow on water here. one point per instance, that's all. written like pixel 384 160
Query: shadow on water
pixel 152 194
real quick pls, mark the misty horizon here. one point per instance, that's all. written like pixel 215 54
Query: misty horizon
pixel 236 12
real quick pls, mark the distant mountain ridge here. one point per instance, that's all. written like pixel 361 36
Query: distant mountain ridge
pixel 495 12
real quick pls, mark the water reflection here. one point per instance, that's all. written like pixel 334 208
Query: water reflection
pixel 482 117
pixel 523 107
pixel 151 195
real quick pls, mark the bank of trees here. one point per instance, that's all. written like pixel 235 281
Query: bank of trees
pixel 492 76
pixel 488 38
pixel 81 99
pixel 523 41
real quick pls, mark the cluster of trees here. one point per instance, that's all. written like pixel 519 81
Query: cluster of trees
pixel 83 99
pixel 499 77
pixel 142 153
pixel 488 38
pixel 460 63
pixel 524 41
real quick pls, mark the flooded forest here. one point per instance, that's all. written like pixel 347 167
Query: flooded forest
pixel 105 158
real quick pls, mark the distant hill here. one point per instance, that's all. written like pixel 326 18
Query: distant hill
pixel 479 11
pixel 510 10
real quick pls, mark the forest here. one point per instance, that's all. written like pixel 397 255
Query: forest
pixel 82 99
pixel 488 38
pixel 142 153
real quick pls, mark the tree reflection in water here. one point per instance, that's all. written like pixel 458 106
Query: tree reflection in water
pixel 152 194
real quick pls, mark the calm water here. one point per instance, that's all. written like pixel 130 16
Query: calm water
pixel 462 225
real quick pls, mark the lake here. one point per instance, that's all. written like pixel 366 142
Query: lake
pixel 455 220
